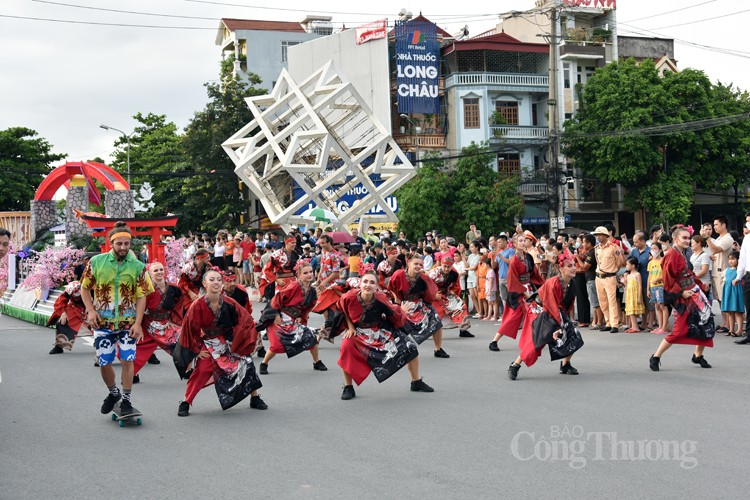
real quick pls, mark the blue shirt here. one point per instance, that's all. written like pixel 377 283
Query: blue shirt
pixel 502 267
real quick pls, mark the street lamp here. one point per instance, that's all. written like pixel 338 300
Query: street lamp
pixel 127 140
pixel 417 130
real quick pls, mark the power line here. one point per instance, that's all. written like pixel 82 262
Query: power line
pixel 96 23
pixel 87 7
pixel 669 11
pixel 703 20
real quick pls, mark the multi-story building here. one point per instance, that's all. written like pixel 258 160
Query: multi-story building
pixel 496 90
pixel 262 47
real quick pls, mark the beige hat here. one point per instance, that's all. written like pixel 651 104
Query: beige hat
pixel 601 230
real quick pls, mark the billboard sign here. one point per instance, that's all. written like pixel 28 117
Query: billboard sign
pixel 371 31
pixel 417 67
pixel 347 200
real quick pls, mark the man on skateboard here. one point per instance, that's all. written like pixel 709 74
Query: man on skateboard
pixel 119 283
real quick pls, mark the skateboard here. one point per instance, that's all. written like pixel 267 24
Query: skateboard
pixel 133 417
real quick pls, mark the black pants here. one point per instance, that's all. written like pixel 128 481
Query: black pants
pixel 746 294
pixel 583 306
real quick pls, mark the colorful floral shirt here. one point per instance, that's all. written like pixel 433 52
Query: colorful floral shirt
pixel 330 263
pixel 116 286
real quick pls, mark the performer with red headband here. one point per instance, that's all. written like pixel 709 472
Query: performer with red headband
pixel 218 335
pixel 68 314
pixel 114 289
pixel 374 340
pixel 417 290
pixel 685 293
pixel 239 293
pixel 279 270
pixel 286 319
pixel 448 298
pixel 162 320
pixel 523 279
pixel 547 324
pixel 191 278
pixel 389 266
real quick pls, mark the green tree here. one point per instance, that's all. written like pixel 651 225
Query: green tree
pixel 25 159
pixel 211 197
pixel 658 170
pixel 426 201
pixel 449 199
pixel 157 157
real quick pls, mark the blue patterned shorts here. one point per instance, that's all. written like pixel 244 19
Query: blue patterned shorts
pixel 105 342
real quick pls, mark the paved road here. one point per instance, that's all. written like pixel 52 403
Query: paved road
pixel 678 432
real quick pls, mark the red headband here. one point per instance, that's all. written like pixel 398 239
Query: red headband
pixel 205 256
pixel 289 239
pixel 447 260
pixel 392 251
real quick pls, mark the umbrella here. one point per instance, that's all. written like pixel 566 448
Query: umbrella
pixel 341 237
pixel 319 215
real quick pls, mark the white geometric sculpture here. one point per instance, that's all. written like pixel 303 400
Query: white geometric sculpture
pixel 321 135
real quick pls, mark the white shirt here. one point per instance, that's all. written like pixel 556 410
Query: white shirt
pixel 219 250
pixel 744 264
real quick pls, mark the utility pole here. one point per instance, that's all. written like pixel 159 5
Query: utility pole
pixel 555 193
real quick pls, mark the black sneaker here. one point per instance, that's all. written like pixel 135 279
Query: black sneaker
pixel 440 353
pixel 319 366
pixel 348 393
pixel 493 346
pixel 56 350
pixel 136 379
pixel 700 360
pixel 465 333
pixel 126 408
pixel 614 330
pixel 257 403
pixel 262 352
pixel 184 409
pixel 513 371
pixel 567 369
pixel 96 364
pixel 153 360
pixel 604 328
pixel 264 368
pixel 654 362
pixel 110 401
pixel 265 336
pixel 420 386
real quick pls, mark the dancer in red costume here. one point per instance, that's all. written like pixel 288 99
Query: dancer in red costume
pixel 556 295
pixel 191 278
pixel 374 340
pixel 685 293
pixel 235 291
pixel 286 319
pixel 219 336
pixel 279 270
pixel 68 315
pixel 389 266
pixel 414 288
pixel 523 279
pixel 448 298
pixel 162 320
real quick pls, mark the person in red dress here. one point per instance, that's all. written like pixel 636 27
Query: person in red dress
pixel 685 293
pixel 68 315
pixel 279 270
pixel 374 340
pixel 162 319
pixel 448 298
pixel 557 295
pixel 191 278
pixel 219 336
pixel 523 279
pixel 286 319
pixel 414 288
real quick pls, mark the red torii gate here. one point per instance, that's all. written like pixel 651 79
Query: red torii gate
pixel 139 227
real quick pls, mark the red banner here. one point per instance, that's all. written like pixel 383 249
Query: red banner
pixel 371 31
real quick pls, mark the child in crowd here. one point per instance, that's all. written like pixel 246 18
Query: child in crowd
pixel 656 288
pixel 633 296
pixel 482 306
pixel 490 293
pixel 732 301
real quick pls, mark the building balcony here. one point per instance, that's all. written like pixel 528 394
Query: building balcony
pixel 426 141
pixel 518 133
pixel 582 51
pixel 500 81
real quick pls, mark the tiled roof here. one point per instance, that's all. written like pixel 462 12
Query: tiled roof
pixel 251 24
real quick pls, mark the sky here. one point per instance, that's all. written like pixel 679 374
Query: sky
pixel 65 79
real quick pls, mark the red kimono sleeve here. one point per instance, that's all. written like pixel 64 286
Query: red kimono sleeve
pixel 192 324
pixel 350 306
pixel 429 295
pixel 536 277
pixel 551 295
pixel 185 285
pixel 287 296
pixel 60 304
pixel 515 268
pixel 398 284
pixel 398 318
pixel 245 333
